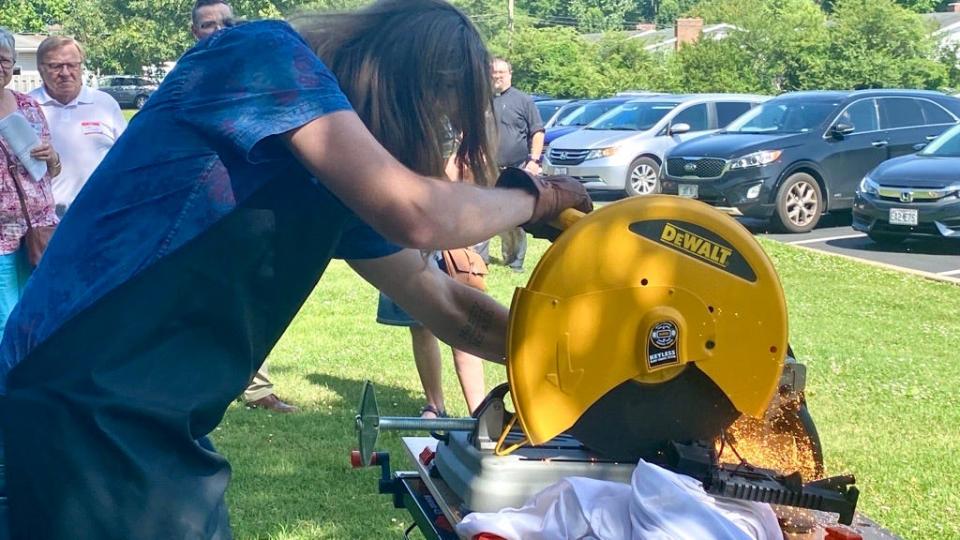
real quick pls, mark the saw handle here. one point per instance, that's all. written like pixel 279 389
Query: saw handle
pixel 566 219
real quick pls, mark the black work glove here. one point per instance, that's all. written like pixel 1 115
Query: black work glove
pixel 554 195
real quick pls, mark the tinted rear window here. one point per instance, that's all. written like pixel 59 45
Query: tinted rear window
pixel 900 113
pixel 935 114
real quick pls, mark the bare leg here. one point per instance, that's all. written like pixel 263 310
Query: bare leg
pixel 426 354
pixel 470 372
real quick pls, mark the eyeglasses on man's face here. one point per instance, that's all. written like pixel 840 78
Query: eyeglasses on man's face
pixel 6 63
pixel 217 24
pixel 56 67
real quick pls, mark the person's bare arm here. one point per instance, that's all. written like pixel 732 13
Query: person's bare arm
pixel 536 147
pixel 407 208
pixel 460 316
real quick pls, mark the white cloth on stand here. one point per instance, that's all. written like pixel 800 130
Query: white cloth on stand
pixel 657 505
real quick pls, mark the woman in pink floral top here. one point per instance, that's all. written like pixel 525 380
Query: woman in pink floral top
pixel 14 268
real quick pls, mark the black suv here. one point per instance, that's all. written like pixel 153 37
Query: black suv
pixel 804 153
pixel 128 90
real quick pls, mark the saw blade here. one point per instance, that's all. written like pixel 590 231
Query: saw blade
pixel 635 420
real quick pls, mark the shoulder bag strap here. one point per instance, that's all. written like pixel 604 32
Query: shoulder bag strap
pixel 12 167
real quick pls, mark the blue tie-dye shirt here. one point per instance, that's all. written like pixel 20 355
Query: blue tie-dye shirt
pixel 205 142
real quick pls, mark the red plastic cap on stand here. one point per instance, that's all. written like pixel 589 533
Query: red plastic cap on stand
pixel 427 456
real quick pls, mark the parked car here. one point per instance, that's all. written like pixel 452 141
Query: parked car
pixel 549 107
pixel 563 112
pixel 914 195
pixel 128 90
pixel 579 116
pixel 622 149
pixel 804 153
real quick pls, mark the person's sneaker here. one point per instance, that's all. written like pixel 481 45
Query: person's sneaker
pixel 272 403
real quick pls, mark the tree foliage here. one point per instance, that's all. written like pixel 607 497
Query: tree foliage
pixel 776 45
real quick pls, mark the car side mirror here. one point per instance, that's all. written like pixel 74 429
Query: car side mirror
pixel 919 146
pixel 679 129
pixel 841 129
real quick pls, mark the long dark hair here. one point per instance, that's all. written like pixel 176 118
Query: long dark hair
pixel 417 73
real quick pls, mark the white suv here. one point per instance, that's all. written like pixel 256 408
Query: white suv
pixel 623 149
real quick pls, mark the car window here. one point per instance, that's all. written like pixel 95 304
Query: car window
pixel 935 114
pixel 105 83
pixel 547 110
pixel 728 111
pixel 696 116
pixel 900 113
pixel 633 116
pixel 946 145
pixel 862 115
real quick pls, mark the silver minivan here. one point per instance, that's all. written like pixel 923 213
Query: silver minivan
pixel 623 149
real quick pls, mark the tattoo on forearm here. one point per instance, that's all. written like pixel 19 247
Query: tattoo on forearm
pixel 478 324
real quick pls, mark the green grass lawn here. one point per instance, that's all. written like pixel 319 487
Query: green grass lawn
pixel 883 378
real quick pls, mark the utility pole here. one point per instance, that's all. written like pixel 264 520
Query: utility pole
pixel 510 23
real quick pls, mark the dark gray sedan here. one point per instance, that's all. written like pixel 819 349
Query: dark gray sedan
pixel 913 196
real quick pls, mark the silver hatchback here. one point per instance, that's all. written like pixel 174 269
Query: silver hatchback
pixel 623 149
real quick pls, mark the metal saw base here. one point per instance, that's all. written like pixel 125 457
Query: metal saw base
pixel 486 482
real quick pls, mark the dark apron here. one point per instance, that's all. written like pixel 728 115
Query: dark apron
pixel 101 422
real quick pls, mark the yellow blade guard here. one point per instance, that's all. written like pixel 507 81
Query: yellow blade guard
pixel 637 290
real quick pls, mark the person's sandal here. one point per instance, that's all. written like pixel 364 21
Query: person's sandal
pixel 428 408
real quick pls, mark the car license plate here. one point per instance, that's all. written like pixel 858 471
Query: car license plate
pixel 903 216
pixel 560 170
pixel 688 190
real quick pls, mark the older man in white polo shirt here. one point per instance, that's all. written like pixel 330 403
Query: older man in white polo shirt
pixel 84 122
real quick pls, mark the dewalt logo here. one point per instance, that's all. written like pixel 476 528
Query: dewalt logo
pixel 695 244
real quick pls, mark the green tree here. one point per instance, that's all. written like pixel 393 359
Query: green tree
pixel 600 15
pixel 878 43
pixel 124 36
pixel 554 61
pixel 31 15
pixel 776 46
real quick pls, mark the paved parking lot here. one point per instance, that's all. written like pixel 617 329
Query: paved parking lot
pixel 833 234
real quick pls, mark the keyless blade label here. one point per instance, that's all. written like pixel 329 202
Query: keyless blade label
pixel 662 345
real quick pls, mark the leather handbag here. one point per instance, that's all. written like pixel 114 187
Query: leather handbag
pixel 466 266
pixel 36 239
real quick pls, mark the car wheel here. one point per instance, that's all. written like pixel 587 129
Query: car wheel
pixel 886 238
pixel 799 204
pixel 140 102
pixel 642 177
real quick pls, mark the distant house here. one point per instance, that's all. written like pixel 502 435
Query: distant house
pixel 29 77
pixel 670 39
pixel 946 26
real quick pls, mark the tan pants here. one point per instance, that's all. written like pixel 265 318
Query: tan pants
pixel 260 386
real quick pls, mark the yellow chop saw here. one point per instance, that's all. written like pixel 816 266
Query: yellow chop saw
pixel 654 328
